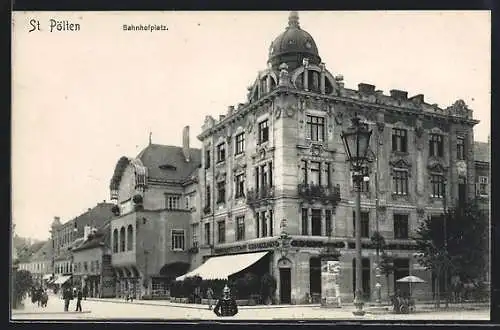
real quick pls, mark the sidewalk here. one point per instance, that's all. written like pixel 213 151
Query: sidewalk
pixel 55 305
pixel 369 307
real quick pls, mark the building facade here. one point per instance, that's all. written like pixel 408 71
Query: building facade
pixel 277 163
pixel 65 237
pixel 92 263
pixel 155 197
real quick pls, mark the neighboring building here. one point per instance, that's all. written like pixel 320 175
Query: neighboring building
pixel 92 263
pixel 154 193
pixel 69 235
pixel 280 156
pixel 39 263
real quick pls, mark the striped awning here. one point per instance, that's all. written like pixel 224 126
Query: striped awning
pixel 224 266
pixel 62 279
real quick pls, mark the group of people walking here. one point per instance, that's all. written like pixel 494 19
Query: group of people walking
pixel 70 294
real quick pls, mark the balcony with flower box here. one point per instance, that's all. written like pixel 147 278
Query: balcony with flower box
pixel 263 196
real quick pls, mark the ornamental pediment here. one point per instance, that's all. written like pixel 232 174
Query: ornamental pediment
pixel 436 166
pixel 400 163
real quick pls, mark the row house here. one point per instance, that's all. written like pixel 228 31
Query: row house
pixel 276 164
pixel 155 197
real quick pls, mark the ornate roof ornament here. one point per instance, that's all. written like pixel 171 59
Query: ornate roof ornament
pixel 459 108
pixel 293 20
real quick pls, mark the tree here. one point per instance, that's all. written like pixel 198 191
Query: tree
pixel 466 238
pixel 267 287
pixel 23 283
pixel 379 241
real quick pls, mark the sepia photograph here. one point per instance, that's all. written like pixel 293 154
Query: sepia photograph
pixel 252 166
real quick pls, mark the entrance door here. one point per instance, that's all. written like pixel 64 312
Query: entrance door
pixel 315 279
pixel 285 286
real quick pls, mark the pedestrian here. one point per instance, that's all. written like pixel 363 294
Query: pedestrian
pixel 67 296
pixel 85 292
pixel 226 306
pixel 130 295
pixel 79 296
pixel 210 296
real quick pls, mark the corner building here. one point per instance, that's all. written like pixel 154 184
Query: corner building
pixel 277 163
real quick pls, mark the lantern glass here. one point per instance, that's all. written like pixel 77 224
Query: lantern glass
pixel 356 140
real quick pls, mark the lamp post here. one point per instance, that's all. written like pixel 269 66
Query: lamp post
pixel 356 140
pixel 445 244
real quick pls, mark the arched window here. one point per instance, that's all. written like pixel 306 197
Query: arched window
pixel 130 238
pixel 115 241
pixel 122 239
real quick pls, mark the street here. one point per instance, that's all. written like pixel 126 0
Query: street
pixel 118 309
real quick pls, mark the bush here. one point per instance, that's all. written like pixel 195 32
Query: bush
pixel 23 283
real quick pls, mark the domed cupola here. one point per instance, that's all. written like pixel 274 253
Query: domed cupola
pixel 292 46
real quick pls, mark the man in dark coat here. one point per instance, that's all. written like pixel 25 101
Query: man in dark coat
pixel 79 296
pixel 67 296
pixel 85 292
pixel 226 306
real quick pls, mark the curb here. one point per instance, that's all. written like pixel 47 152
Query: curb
pixel 46 313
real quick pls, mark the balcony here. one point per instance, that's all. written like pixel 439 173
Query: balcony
pixel 321 193
pixel 260 197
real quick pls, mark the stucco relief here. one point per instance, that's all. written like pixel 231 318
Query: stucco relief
pixel 290 111
pixel 277 112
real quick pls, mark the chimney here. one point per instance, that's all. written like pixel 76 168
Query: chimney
pixel 366 88
pixel 419 98
pixel 240 105
pixel 399 95
pixel 230 110
pixel 185 143
pixel 221 117
pixel 86 231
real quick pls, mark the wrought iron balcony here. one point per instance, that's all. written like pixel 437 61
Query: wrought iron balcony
pixel 327 194
pixel 255 197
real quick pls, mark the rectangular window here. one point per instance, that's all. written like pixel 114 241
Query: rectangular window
pixel 221 192
pixel 327 176
pixel 365 224
pixel 173 202
pixel 178 240
pixel 436 145
pixel 221 231
pixel 305 221
pixel 207 159
pixel 221 152
pixel 240 186
pixel 304 171
pixel 460 148
pixel 257 224
pixel 263 131
pixel 240 143
pixel 92 266
pixel 187 202
pixel 240 228
pixel 207 234
pixel 263 176
pixel 399 140
pixel 263 224
pixel 85 266
pixel 482 186
pixel 316 222
pixel 364 185
pixel 271 222
pixel 400 182
pixel 401 226
pixel 194 234
pixel 315 128
pixel 315 177
pixel 437 182
pixel 257 179
pixel 328 223
pixel 208 197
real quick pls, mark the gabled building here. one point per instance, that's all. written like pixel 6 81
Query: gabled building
pixel 92 263
pixel 276 163
pixel 155 197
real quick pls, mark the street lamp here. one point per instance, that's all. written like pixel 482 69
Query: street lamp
pixel 356 140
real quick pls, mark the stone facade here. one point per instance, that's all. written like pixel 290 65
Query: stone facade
pixel 291 124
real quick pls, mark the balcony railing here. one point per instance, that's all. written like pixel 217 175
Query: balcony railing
pixel 328 194
pixel 255 197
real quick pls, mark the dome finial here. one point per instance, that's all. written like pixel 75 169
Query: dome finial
pixel 293 19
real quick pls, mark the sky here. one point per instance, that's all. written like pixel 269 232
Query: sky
pixel 83 99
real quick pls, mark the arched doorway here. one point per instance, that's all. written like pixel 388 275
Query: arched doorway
pixel 285 271
pixel 160 285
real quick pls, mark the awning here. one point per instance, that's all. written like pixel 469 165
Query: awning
pixel 224 266
pixel 47 277
pixel 62 279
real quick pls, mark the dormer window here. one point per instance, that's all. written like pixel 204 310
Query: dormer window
pixel 221 152
pixel 315 128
